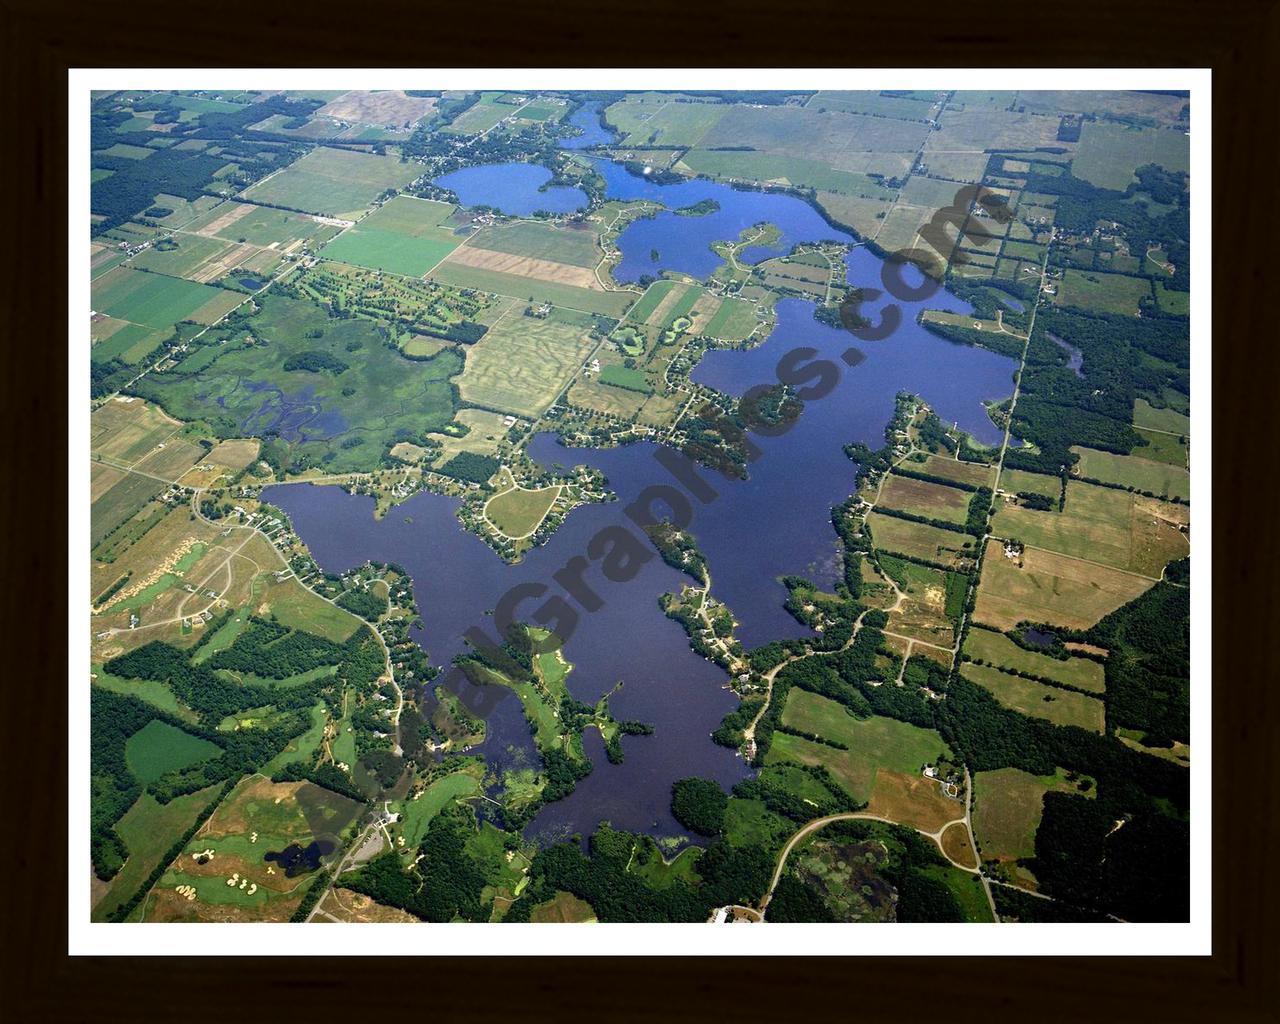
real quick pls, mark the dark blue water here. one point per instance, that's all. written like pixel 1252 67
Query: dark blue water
pixel 587 117
pixel 298 860
pixel 775 523
pixel 458 579
pixel 515 189
pixel 684 243
pixel 1010 301
pixel 1039 638
pixel 296 416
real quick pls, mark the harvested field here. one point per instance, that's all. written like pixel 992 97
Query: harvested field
pixel 925 499
pixel 1104 525
pixel 390 108
pixel 525 266
pixel 1050 588
pixel 914 800
pixel 955 844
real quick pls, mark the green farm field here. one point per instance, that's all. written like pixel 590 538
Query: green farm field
pixel 735 320
pixel 1061 707
pixel 782 169
pixel 1160 478
pixel 157 301
pixel 1110 153
pixel 261 225
pixel 404 236
pixel 1007 806
pixel 997 649
pixel 572 244
pixel 653 119
pixel 874 743
pixel 973 473
pixel 1104 525
pixel 332 182
pixel 919 539
pixel 1162 447
pixel 1102 293
pixel 1016 481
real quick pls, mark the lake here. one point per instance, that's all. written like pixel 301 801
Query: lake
pixel 773 524
pixel 516 189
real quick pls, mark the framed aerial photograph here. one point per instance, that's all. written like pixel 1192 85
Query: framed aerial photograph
pixel 529 497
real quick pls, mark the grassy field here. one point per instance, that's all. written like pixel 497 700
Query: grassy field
pixel 418 812
pixel 522 364
pixel 735 320
pixel 971 473
pixel 625 378
pixel 123 494
pixel 563 908
pixel 379 395
pixel 200 259
pixel 282 230
pixel 875 743
pixel 1109 153
pixel 907 108
pixel 1156 477
pixel 922 616
pixel 405 236
pixel 846 142
pixel 925 499
pixel 782 169
pixel 126 428
pixel 1104 525
pixel 919 540
pixel 158 748
pixel 518 512
pixel 1007 805
pixel 497 282
pixel 148 829
pixel 152 691
pixel 482 116
pixel 1062 707
pixel 1102 293
pixel 574 244
pixel 301 748
pixel 653 119
pixel 158 301
pixel 298 608
pixel 259 817
pixel 1050 588
pixel 1015 481
pixel 333 182
pixel 999 650
pixel 1161 447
